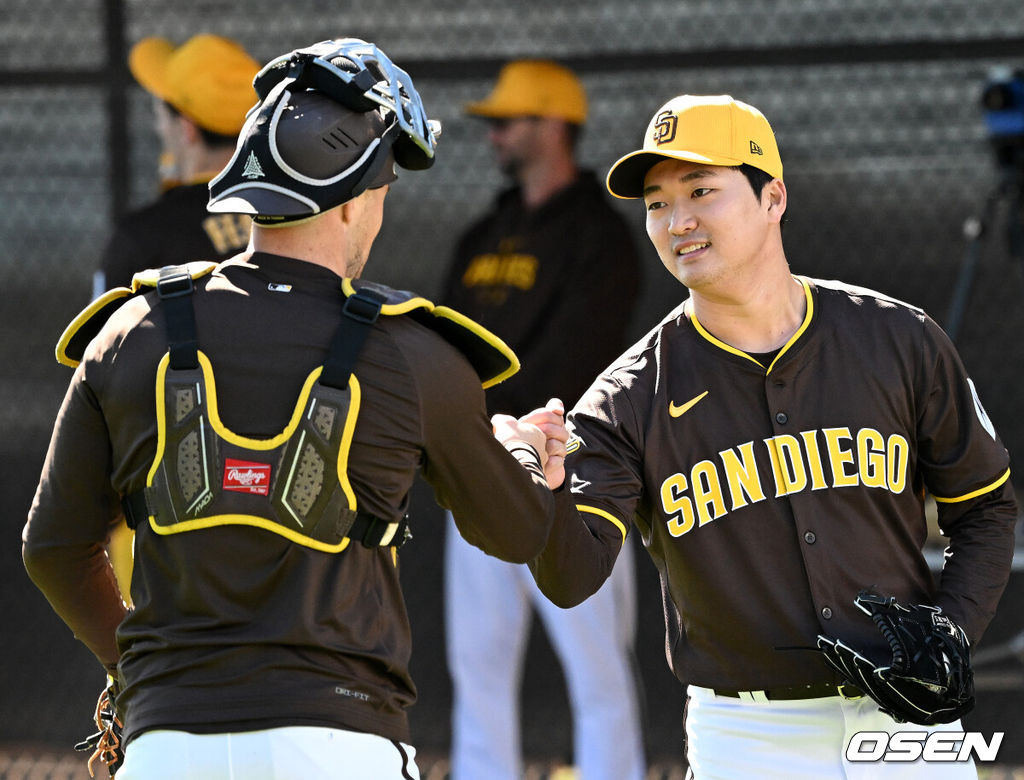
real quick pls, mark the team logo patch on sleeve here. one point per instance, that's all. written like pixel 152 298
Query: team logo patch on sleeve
pixel 245 476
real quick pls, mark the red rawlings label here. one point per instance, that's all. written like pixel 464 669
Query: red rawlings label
pixel 246 477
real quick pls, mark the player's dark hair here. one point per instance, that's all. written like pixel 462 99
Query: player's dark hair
pixel 758 179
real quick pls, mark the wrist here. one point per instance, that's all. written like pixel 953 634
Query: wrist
pixel 527 455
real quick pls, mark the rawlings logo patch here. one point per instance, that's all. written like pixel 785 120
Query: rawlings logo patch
pixel 244 476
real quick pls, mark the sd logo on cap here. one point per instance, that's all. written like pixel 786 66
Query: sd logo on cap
pixel 712 129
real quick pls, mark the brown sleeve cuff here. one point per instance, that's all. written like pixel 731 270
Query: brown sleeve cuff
pixel 528 456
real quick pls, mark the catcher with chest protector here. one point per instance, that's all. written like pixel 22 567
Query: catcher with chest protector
pixel 260 424
pixel 773 439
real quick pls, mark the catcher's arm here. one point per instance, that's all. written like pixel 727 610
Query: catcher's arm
pixel 927 678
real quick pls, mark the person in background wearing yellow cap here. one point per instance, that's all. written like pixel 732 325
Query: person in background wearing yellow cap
pixel 552 269
pixel 201 92
pixel 773 439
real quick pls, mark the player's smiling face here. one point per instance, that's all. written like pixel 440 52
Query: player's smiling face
pixel 706 222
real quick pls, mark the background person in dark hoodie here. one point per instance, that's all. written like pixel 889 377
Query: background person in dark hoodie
pixel 551 269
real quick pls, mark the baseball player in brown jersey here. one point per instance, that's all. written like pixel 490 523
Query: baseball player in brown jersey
pixel 197 119
pixel 548 254
pixel 260 424
pixel 773 440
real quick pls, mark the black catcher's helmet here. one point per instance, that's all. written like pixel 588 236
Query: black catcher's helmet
pixel 333 120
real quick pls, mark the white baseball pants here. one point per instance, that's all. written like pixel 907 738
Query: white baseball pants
pixel 487 604
pixel 290 753
pixel 798 740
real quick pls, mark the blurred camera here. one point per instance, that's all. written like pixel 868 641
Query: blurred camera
pixel 1003 102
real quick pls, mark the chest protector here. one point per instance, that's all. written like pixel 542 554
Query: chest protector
pixel 294 484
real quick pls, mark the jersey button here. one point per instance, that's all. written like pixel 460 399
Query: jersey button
pixel 826 612
pixel 782 418
pixel 810 538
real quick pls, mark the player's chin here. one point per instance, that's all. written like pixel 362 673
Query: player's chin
pixel 694 274
pixel 680 268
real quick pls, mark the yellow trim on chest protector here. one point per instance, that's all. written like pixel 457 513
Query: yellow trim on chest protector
pixel 294 484
pixel 216 475
pixel 81 330
pixel 492 358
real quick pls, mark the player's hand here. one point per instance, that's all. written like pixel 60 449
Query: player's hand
pixel 551 421
pixel 508 430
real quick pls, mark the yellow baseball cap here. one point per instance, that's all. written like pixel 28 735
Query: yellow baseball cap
pixel 712 129
pixel 208 78
pixel 534 88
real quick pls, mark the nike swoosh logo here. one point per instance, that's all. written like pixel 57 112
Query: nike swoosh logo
pixel 679 411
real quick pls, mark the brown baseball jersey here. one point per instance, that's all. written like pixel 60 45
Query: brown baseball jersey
pixel 175 228
pixel 236 628
pixel 769 492
pixel 557 282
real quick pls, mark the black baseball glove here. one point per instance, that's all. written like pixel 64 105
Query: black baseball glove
pixel 105 744
pixel 927 679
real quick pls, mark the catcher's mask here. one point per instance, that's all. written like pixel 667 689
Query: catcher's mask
pixel 333 120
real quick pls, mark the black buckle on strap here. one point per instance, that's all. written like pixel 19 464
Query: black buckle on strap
pixel 362 307
pixel 175 285
pixel 135 508
pixel 175 288
pixel 369 531
pixel 359 311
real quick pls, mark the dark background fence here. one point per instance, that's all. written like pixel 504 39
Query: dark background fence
pixel 876 106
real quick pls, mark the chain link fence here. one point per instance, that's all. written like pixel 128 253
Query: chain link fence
pixel 875 103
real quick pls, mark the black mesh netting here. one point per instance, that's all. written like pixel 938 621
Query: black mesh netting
pixel 876 105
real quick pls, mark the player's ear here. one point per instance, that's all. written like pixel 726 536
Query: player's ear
pixel 189 129
pixel 774 197
pixel 351 211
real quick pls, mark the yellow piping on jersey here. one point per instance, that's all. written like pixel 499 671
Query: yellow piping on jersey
pixel 809 314
pixel 601 513
pixel 976 493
